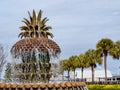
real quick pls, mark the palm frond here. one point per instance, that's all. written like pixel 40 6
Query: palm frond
pixel 21 35
pixel 25 23
pixel 34 18
pixel 45 20
pixel 24 28
pixel 39 15
pixel 31 20
pixel 26 20
pixel 49 34
pixel 47 28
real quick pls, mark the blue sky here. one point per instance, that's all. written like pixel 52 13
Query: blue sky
pixel 77 24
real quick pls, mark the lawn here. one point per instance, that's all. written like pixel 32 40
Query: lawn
pixel 104 87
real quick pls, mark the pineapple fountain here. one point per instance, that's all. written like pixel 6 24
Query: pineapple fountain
pixel 33 58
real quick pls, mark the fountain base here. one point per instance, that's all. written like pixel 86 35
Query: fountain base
pixel 48 86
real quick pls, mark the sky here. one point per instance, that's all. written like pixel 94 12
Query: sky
pixel 77 24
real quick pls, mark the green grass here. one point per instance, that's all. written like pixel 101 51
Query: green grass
pixel 103 87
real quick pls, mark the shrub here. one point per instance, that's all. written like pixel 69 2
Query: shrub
pixel 103 87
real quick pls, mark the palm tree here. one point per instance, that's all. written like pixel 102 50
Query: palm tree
pixel 35 27
pixel 115 52
pixel 82 63
pixel 67 67
pixel 104 46
pixel 73 60
pixel 93 58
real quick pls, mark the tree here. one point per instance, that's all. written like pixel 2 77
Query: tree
pixel 92 59
pixel 2 58
pixel 82 63
pixel 115 52
pixel 62 69
pixel 35 27
pixel 73 60
pixel 8 72
pixel 104 46
pixel 67 67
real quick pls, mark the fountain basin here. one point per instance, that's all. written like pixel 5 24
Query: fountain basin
pixel 44 86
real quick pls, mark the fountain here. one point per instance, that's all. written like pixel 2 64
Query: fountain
pixel 34 59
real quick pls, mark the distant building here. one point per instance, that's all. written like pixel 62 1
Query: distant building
pixel 114 79
pixel 99 75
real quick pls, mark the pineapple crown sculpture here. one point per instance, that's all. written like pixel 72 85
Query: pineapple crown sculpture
pixel 35 34
pixel 35 27
pixel 34 51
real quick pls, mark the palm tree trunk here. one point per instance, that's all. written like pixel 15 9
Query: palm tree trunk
pixel 92 68
pixel 82 73
pixel 74 74
pixel 62 76
pixel 68 75
pixel 105 67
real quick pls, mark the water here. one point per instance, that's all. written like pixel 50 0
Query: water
pixel 35 66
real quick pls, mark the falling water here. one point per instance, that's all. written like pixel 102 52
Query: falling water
pixel 85 88
pixel 23 88
pixel 73 87
pixel 78 88
pixel 39 89
pixel 9 88
pixel 31 88
pixel 37 65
